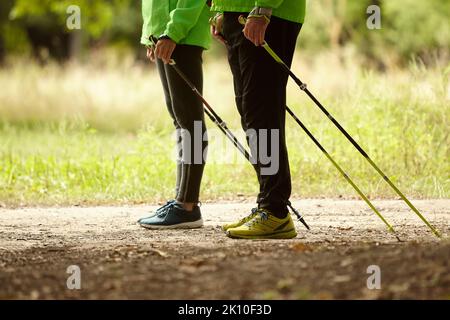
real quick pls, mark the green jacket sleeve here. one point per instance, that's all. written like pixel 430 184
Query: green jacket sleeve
pixel 268 3
pixel 146 9
pixel 184 18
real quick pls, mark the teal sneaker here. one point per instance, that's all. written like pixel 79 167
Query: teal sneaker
pixel 160 209
pixel 173 216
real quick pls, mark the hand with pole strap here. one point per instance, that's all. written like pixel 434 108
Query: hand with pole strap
pixel 304 88
pixel 255 30
pixel 164 49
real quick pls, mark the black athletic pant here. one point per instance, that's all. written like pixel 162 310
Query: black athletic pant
pixel 260 89
pixel 186 111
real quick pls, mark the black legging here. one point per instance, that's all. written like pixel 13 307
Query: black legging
pixel 260 88
pixel 186 111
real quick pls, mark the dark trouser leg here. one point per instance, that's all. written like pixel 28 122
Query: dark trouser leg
pixel 260 85
pixel 162 75
pixel 187 112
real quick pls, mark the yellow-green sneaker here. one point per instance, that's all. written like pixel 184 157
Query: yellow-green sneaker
pixel 264 225
pixel 239 223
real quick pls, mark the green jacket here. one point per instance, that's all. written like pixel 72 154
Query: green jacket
pixel 184 21
pixel 291 10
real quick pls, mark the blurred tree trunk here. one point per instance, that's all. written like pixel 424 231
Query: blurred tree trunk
pixel 336 23
pixel 5 7
pixel 75 44
pixel 2 51
pixel 48 41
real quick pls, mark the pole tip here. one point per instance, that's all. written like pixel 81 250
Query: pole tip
pixel 436 233
pixel 304 223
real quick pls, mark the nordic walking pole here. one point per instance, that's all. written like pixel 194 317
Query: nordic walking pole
pixel 325 152
pixel 303 87
pixel 224 128
pixel 345 175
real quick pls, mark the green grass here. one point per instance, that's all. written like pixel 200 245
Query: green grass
pixel 101 135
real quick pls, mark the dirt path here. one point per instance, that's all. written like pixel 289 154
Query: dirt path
pixel 120 260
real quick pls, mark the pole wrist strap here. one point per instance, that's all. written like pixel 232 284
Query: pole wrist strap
pixel 259 12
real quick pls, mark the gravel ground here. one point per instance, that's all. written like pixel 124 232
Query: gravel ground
pixel 120 260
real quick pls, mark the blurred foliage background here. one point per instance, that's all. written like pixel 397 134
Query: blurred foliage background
pixel 410 29
pixel 83 119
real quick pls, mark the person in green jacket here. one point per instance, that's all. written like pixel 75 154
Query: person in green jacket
pixel 260 89
pixel 179 30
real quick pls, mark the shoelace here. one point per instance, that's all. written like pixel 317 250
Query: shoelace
pixel 263 216
pixel 250 216
pixel 168 204
pixel 165 209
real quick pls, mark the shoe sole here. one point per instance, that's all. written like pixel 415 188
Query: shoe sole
pixel 228 228
pixel 186 225
pixel 289 234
